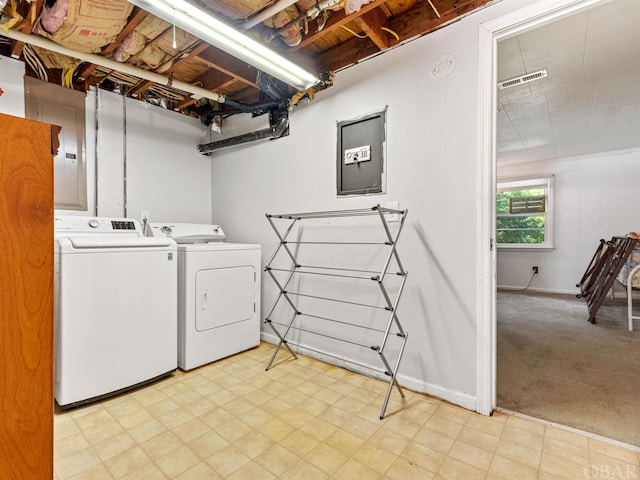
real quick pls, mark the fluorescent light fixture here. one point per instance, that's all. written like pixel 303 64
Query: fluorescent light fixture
pixel 203 25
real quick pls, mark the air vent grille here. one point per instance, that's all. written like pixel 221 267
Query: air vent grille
pixel 529 77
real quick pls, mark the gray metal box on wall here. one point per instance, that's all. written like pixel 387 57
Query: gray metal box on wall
pixel 360 155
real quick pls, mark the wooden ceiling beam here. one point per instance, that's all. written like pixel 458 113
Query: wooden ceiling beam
pixel 417 21
pixel 247 95
pixel 29 20
pixel 422 19
pixel 134 20
pixel 214 80
pixel 372 23
pixel 213 57
pixel 347 53
pixel 335 21
pixel 32 17
pixel 209 85
pixel 144 85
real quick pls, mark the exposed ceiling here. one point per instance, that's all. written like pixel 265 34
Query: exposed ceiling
pixel 322 36
pixel 589 102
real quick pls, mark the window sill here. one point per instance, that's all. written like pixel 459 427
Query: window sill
pixel 529 248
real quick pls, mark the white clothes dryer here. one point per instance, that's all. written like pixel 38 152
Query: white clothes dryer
pixel 218 293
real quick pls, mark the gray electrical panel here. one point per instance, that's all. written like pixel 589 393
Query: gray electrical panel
pixel 360 155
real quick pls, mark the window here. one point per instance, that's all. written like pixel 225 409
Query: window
pixel 524 216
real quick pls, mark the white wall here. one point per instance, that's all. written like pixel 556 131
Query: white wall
pixel 433 168
pixel 147 160
pixel 164 173
pixel 595 198
pixel 12 86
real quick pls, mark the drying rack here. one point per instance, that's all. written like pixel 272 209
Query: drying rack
pixel 606 263
pixel 283 225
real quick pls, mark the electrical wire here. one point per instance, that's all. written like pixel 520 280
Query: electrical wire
pixel 117 77
pixel 35 62
pixel 170 94
pixel 391 32
pixel 365 36
pixel 353 33
pixel 533 274
pixel 67 76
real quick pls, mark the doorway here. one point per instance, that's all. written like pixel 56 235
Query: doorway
pixel 491 34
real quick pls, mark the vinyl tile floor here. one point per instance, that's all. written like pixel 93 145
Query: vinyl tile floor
pixel 304 419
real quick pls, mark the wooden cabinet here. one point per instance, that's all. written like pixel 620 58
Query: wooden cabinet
pixel 26 299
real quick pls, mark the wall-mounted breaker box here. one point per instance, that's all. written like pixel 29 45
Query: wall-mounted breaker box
pixel 360 155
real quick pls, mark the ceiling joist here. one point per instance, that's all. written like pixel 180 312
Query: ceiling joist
pixel 330 42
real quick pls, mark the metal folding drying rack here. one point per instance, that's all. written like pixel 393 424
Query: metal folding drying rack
pixel 390 304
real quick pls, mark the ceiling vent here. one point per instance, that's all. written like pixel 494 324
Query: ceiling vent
pixel 529 77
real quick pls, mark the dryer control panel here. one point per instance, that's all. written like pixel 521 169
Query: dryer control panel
pixel 188 233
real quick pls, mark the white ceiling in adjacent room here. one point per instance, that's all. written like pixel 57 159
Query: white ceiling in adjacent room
pixel 590 100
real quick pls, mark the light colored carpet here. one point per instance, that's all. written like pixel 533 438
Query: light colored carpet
pixel 555 365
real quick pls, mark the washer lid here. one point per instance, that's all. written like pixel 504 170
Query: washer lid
pixel 188 233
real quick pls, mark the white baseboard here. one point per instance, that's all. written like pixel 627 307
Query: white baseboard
pixel 457 398
pixel 538 290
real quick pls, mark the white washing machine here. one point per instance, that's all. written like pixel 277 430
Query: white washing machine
pixel 218 293
pixel 115 307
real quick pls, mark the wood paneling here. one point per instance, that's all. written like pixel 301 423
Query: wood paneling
pixel 26 299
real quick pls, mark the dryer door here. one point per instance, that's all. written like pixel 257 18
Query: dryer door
pixel 224 296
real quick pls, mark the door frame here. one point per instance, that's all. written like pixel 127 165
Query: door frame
pixel 490 33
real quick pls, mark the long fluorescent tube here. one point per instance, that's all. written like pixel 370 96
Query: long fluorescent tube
pixel 201 24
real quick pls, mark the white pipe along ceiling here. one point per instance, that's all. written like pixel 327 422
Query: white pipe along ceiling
pixel 112 64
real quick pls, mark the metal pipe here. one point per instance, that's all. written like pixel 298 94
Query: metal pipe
pixel 272 132
pixel 393 374
pixel 355 325
pixel 327 214
pixel 296 294
pixel 282 239
pixel 319 334
pixel 338 269
pixel 124 151
pixel 334 243
pixel 337 357
pixel 113 65
pixel 282 341
pixel 319 273
pixel 95 147
pixel 267 13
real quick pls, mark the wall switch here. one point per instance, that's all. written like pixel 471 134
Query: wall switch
pixel 392 217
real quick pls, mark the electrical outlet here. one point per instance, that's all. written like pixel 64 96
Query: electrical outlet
pixel 535 270
pixel 144 216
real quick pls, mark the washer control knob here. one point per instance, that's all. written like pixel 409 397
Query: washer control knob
pixel 166 230
pixel 93 223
